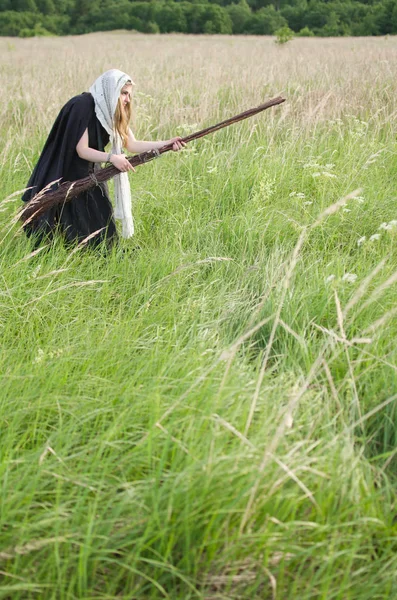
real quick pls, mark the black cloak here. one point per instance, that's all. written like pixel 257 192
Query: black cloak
pixel 92 209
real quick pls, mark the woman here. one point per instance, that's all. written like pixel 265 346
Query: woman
pixel 75 147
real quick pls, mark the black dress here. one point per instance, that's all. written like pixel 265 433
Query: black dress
pixel 91 210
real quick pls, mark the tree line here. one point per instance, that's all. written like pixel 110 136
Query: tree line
pixel 26 18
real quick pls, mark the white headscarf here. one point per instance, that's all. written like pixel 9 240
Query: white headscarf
pixel 106 92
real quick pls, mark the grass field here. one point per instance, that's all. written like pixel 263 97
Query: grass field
pixel 213 415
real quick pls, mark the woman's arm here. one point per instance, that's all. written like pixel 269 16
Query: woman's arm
pixel 136 146
pixel 86 153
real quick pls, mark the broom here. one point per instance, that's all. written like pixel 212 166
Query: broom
pixel 46 199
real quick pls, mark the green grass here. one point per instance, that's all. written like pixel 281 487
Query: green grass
pixel 150 449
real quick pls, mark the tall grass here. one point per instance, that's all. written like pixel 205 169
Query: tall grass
pixel 212 415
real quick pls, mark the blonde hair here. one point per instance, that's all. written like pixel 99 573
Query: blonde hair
pixel 122 117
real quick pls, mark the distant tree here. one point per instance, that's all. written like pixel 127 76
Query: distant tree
pixel 393 20
pixel 100 17
pixel 81 8
pixel 277 4
pixel 332 27
pixel 24 5
pixel 145 11
pixel 170 18
pixel 11 22
pixel 224 2
pixel 37 31
pixel 217 20
pixel 368 26
pixel 317 15
pixel 135 24
pixel 63 7
pixel 150 27
pixel 295 16
pixel 260 17
pixel 239 15
pixel 56 24
pixel 207 18
pixel 384 15
pixel 46 7
pixel 258 4
pixel 265 22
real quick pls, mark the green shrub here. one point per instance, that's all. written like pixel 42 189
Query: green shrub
pixel 37 31
pixel 151 27
pixel 305 32
pixel 284 35
pixel 26 33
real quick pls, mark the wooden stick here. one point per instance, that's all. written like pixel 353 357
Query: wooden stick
pixel 44 200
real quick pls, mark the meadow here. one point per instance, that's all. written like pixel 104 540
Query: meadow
pixel 209 410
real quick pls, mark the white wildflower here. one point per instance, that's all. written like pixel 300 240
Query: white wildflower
pixel 266 187
pixel 186 128
pixel 346 210
pixel 388 226
pixel 360 128
pixel 361 240
pixel 311 165
pixel 374 237
pixel 330 278
pixel 324 174
pixel 40 356
pixel 297 195
pixel 349 277
pixel 307 203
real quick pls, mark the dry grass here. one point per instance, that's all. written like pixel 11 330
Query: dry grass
pixel 185 80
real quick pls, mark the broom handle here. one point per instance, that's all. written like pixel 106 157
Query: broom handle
pixel 151 154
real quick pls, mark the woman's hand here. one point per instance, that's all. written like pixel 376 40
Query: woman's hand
pixel 121 163
pixel 177 143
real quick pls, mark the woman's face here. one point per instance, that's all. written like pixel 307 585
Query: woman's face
pixel 125 94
